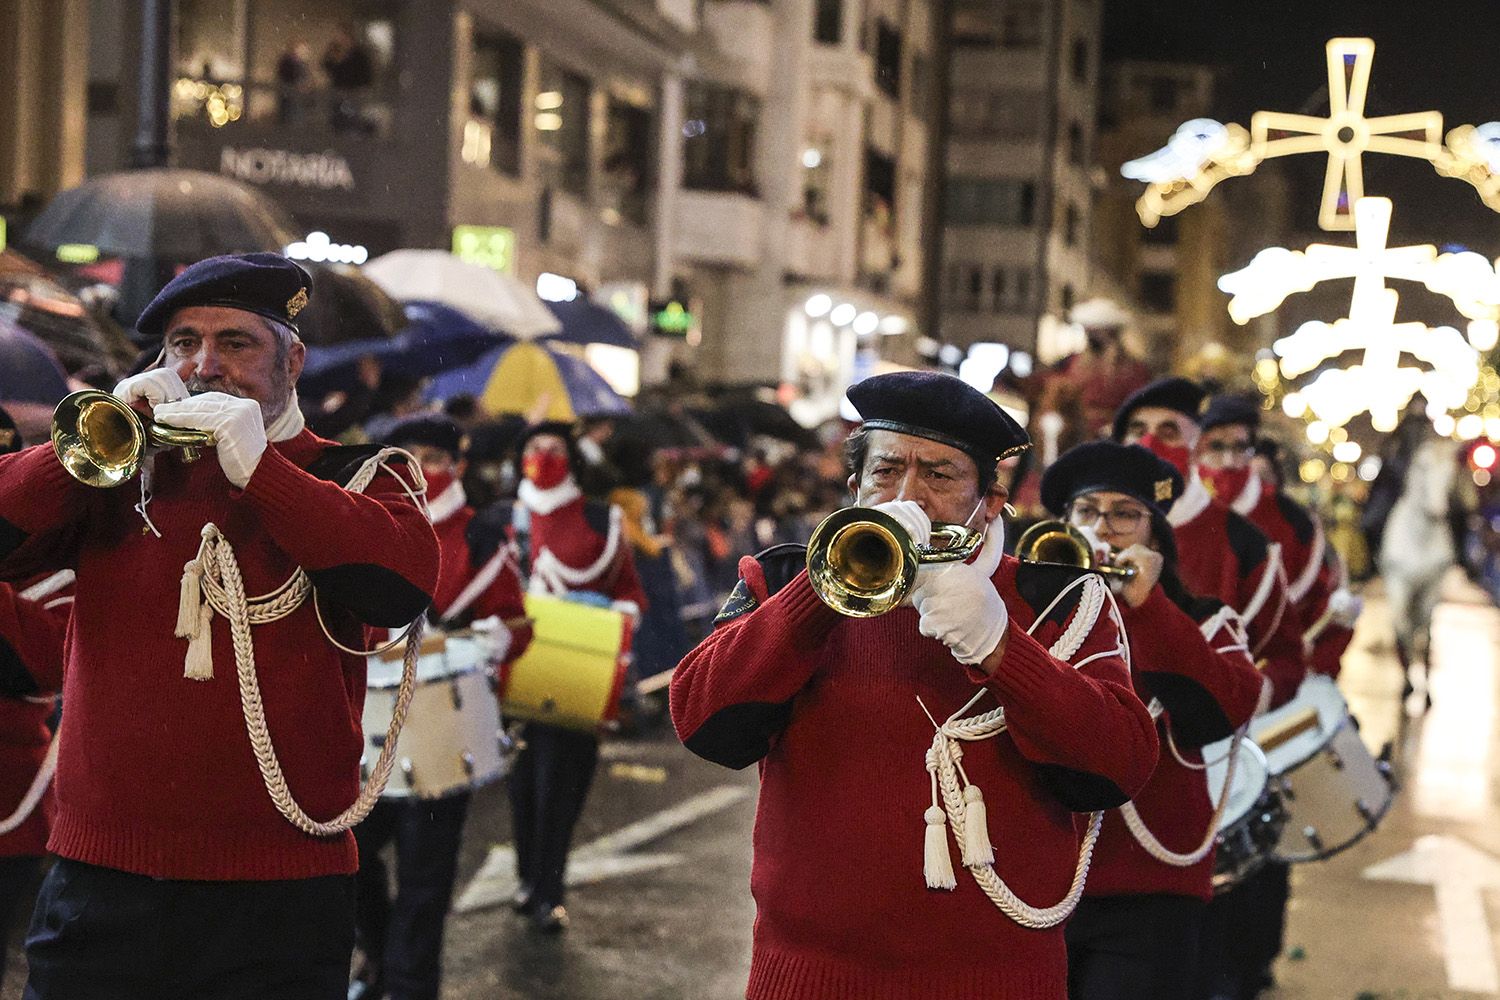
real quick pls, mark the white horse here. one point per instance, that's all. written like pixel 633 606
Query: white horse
pixel 1417 549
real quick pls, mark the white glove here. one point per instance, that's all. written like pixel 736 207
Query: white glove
pixel 236 423
pixel 910 515
pixel 1345 607
pixel 157 386
pixel 960 606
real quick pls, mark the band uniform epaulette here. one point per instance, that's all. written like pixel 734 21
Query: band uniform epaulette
pixel 1039 583
pixel 1298 517
pixel 1248 543
pixel 596 513
pixel 779 565
pixel 340 463
pixel 486 532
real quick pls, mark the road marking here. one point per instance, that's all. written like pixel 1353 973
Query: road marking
pixel 604 858
pixel 1459 873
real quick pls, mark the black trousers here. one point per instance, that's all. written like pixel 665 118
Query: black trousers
pixel 1133 947
pixel 16 875
pixel 1244 933
pixel 101 934
pixel 403 943
pixel 548 783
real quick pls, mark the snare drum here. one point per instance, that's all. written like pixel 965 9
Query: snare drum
pixel 573 672
pixel 1334 790
pixel 1253 816
pixel 451 740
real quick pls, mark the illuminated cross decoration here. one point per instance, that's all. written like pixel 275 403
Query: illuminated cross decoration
pixel 1346 134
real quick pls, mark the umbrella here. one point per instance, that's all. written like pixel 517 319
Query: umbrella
pixel 434 339
pixel 735 421
pixel 665 430
pixel 345 305
pixel 485 294
pixel 29 372
pixel 63 321
pixel 586 322
pixel 534 380
pixel 175 215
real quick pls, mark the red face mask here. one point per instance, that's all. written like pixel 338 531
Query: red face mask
pixel 1225 484
pixel 1177 454
pixel 546 469
pixel 437 482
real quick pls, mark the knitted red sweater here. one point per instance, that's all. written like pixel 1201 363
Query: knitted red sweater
pixel 155 774
pixel 31 652
pixel 1208 695
pixel 1221 555
pixel 828 705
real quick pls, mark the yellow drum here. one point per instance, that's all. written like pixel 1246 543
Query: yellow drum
pixel 574 670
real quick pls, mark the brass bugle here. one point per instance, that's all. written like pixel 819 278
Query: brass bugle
pixel 1062 543
pixel 862 562
pixel 101 440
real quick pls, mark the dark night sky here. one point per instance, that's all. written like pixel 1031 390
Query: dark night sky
pixel 1429 55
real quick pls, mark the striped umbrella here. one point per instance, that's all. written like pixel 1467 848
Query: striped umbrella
pixel 534 380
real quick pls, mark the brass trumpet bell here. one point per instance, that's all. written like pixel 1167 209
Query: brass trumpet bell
pixel 862 562
pixel 101 441
pixel 1061 543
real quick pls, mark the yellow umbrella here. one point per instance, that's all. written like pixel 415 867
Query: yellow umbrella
pixel 535 381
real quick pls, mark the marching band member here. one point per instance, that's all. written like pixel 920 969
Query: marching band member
pixel 574 547
pixel 403 943
pixel 855 785
pixel 1220 553
pixel 178 875
pixel 31 652
pixel 1225 455
pixel 1135 933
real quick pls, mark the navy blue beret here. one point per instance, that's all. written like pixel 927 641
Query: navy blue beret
pixel 1180 394
pixel 430 429
pixel 1119 468
pixel 10 437
pixel 266 284
pixel 1223 411
pixel 940 408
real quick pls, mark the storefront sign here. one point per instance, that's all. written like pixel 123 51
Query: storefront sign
pixel 490 246
pixel 671 319
pixel 327 171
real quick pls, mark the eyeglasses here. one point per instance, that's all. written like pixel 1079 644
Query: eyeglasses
pixel 1120 519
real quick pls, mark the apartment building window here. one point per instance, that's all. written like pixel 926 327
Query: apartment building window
pixel 1022 24
pixel 975 201
pixel 495 99
pixel 1010 289
pixel 976 23
pixel 719 128
pixel 1071 220
pixel 562 121
pixel 625 172
pixel 1001 114
pixel 1162 93
pixel 1159 291
pixel 1077 155
pixel 1164 233
pixel 1080 60
pixel 828 22
pixel 888 58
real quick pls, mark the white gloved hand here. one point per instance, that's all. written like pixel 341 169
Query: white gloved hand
pixel 910 515
pixel 236 423
pixel 157 386
pixel 1345 606
pixel 959 605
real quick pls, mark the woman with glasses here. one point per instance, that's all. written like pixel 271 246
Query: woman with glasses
pixel 1135 934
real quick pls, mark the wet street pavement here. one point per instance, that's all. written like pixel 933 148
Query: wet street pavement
pixel 663 911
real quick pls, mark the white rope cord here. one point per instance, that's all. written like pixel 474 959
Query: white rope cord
pixel 944 763
pixel 223 590
pixel 1160 851
pixel 33 796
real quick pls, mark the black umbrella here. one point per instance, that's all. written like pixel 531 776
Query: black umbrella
pixel 170 215
pixel 736 421
pixel 344 305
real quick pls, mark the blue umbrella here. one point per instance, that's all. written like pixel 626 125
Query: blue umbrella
pixel 530 376
pixel 436 338
pixel 586 322
pixel 29 372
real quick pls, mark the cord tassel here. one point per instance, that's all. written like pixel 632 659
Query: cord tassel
pixel 189 597
pixel 977 849
pixel 199 665
pixel 937 866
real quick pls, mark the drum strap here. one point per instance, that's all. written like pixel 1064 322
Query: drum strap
pixel 1298 588
pixel 479 584
pixel 211 583
pixel 962 806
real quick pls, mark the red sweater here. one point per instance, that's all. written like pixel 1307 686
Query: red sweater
pixel 577 533
pixel 827 705
pixel 31 656
pixel 1207 696
pixel 155 773
pixel 1223 556
pixel 502 597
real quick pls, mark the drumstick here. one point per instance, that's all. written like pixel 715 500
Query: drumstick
pixel 655 682
pixel 1273 736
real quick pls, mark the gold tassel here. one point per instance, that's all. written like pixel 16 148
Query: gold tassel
pixel 189 597
pixel 977 849
pixel 937 866
pixel 199 665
